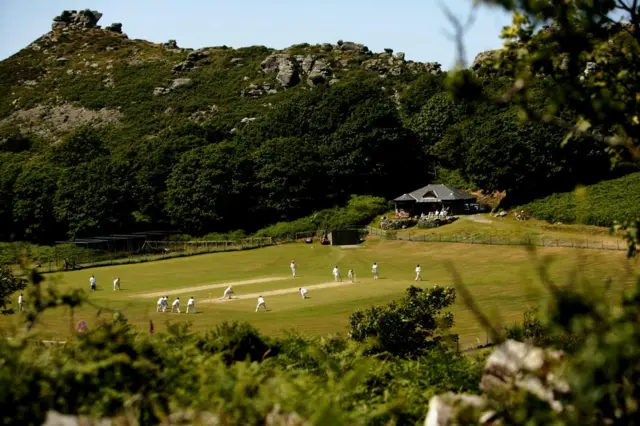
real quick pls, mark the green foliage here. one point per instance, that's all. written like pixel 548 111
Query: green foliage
pixel 358 211
pixel 232 373
pixel 186 159
pixel 9 284
pixel 236 342
pixel 601 204
pixel 206 190
pixel 409 327
pixel 420 92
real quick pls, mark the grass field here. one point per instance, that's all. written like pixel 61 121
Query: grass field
pixel 483 226
pixel 501 278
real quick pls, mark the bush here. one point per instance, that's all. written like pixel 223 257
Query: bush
pixel 600 204
pixel 236 342
pixel 358 211
pixel 408 327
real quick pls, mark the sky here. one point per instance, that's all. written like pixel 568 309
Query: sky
pixel 417 27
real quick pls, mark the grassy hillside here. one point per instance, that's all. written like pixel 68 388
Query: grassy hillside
pixel 600 204
pixel 103 134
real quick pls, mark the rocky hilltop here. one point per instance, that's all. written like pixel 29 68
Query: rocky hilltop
pixel 80 73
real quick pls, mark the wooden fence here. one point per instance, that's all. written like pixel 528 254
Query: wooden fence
pixel 596 244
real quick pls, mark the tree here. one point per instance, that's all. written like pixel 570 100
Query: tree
pixel 9 284
pixel 421 91
pixel 209 189
pixel 436 115
pixel 407 327
pixel 34 192
pixel 82 146
pixel 289 177
pixel 152 164
pixel 93 197
pixel 590 51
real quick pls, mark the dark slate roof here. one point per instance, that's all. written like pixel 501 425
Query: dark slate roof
pixel 441 192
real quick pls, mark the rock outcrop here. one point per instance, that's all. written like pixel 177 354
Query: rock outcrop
pixel 349 46
pixel 196 57
pixel 175 84
pixel 512 367
pixel 76 19
pixel 171 44
pixel 286 66
pixel 116 27
pixel 320 73
pixel 484 58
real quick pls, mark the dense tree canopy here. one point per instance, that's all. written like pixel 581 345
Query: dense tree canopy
pixel 309 151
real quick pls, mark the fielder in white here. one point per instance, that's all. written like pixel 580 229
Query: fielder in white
pixel 293 268
pixel 350 274
pixel 116 284
pixel 303 292
pixel 21 303
pixel 418 271
pixel 374 269
pixel 92 282
pixel 191 303
pixel 227 293
pixel 160 305
pixel 176 305
pixel 261 303
pixel 336 273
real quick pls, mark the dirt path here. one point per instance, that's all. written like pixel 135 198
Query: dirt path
pixel 280 292
pixel 208 287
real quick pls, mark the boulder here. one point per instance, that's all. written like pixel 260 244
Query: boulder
pixel 159 91
pixel 277 418
pixel 512 367
pixel 236 60
pixel 519 366
pixel 319 74
pixel 116 27
pixel 432 67
pixel 171 44
pixel 307 63
pixel 399 56
pixel 349 46
pixel 61 61
pixel 377 65
pixel 198 55
pixel 327 47
pixel 191 417
pixel 484 59
pixel 181 82
pixel 56 419
pixel 247 120
pixel 285 65
pixel 444 409
pixel 396 71
pixel 183 66
pixel 76 19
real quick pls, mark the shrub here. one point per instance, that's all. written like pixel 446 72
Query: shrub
pixel 600 204
pixel 358 211
pixel 236 342
pixel 408 327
